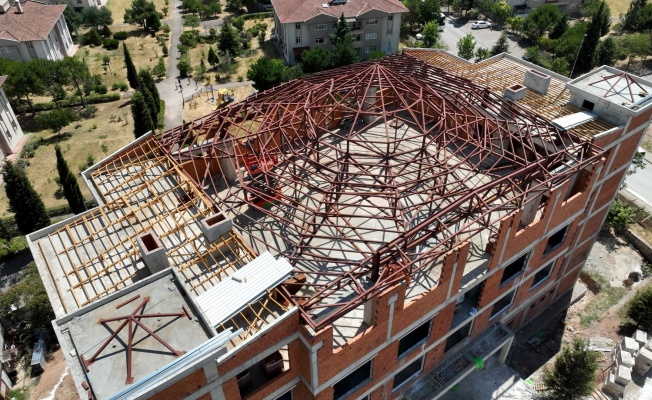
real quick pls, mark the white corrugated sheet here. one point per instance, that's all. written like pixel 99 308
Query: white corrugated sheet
pixel 248 284
pixel 573 120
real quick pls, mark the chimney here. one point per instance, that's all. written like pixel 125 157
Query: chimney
pixel 19 7
pixel 537 81
pixel 152 251
pixel 215 226
pixel 515 92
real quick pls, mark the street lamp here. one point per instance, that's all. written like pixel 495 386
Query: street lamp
pixel 577 56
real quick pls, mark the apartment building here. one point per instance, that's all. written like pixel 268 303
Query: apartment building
pixel 343 235
pixel 301 25
pixel 32 30
pixel 10 131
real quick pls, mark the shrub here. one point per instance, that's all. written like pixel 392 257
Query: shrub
pixel 166 28
pixel 254 31
pixel 73 101
pixel 94 37
pixel 106 32
pixel 621 215
pixel 639 309
pixel 164 48
pixel 111 44
pixel 121 35
pixel 188 39
pixel 88 112
pixel 101 89
pixel 29 149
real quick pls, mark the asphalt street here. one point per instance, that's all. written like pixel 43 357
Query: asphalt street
pixel 457 29
pixel 639 185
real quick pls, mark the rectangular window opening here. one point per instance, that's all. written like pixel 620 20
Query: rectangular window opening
pixel 555 240
pixel 407 373
pixel 503 304
pixel 319 40
pixel 352 381
pixel 261 373
pixel 372 35
pixel 321 27
pixel 298 40
pixel 587 105
pixel 372 21
pixel 514 268
pixel 285 396
pixel 458 336
pixel 414 338
pixel 542 275
pixel 297 26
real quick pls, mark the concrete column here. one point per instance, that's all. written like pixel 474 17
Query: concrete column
pixel 228 164
pixel 314 362
pixel 505 350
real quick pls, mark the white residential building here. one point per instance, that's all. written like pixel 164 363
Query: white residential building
pixel 32 30
pixel 304 24
pixel 10 131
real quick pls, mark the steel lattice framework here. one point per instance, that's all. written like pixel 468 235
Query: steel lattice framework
pixel 363 175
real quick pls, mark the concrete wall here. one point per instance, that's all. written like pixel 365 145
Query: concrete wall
pixel 10 131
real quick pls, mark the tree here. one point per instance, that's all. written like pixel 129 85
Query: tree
pixel 412 16
pixel 184 66
pixel 69 184
pixel 574 372
pixel 215 7
pixel 586 54
pixel 140 11
pixel 53 77
pixel 160 69
pixel 267 73
pixel 639 309
pixel 560 27
pixel 23 81
pixel 541 20
pixel 228 40
pixel 153 22
pixel 26 204
pixel 73 19
pixel 376 54
pixel 466 46
pixel 429 10
pixel 431 34
pixel 315 60
pixel 344 53
pixel 79 74
pixel 132 75
pixel 481 53
pixel 142 115
pixel 560 66
pixel 501 11
pixel 30 292
pixel 57 119
pixel 607 52
pixel 145 80
pixel 632 17
pixel 604 18
pixel 149 100
pixel 635 45
pixel 516 24
pixel 212 57
pixel 621 215
pixel 234 5
pixel 95 17
pixel 501 45
pixel 191 21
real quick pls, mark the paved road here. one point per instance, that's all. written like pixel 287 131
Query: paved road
pixel 639 184
pixel 457 29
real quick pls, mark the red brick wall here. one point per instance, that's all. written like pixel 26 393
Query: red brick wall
pixel 183 387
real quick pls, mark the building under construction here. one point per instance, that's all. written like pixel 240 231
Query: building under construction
pixel 342 235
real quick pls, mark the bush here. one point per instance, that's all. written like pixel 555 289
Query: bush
pixel 29 149
pixel 254 31
pixel 88 112
pixel 101 89
pixel 122 86
pixel 166 28
pixel 165 50
pixel 188 39
pixel 106 32
pixel 73 101
pixel 639 309
pixel 94 37
pixel 121 35
pixel 111 44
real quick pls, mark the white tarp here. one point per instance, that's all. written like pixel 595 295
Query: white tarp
pixel 573 120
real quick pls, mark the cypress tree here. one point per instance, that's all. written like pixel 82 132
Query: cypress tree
pixel 586 56
pixel 142 116
pixel 69 183
pixel 344 52
pixel 212 57
pixel 26 204
pixel 146 80
pixel 149 100
pixel 132 75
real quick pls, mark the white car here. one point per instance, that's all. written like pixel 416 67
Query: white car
pixel 480 25
pixel 419 36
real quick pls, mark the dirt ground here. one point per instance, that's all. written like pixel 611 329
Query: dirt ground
pixel 55 383
pixel 613 258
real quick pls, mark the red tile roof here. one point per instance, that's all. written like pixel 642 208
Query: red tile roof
pixel 289 11
pixel 35 23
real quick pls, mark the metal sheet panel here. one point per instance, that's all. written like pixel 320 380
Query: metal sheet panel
pixel 249 283
pixel 573 120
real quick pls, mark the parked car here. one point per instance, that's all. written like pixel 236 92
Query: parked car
pixel 480 25
pixel 419 36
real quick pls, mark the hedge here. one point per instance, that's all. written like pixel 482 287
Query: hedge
pixel 161 116
pixel 72 102
pixel 265 14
